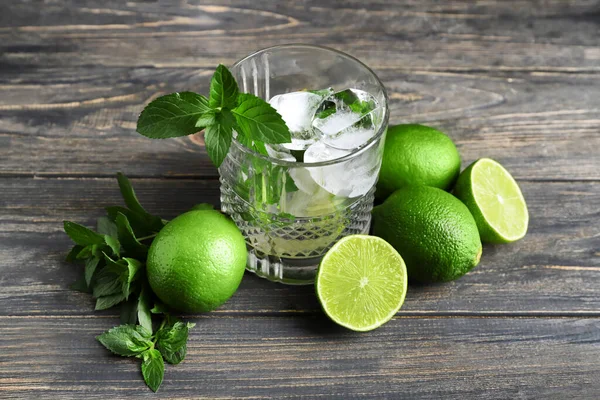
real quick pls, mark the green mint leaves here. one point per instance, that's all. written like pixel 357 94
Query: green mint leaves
pixel 172 341
pixel 226 110
pixel 168 343
pixel 259 121
pixel 114 272
pixel 153 368
pixel 223 89
pixel 82 235
pixel 126 340
pixel 172 115
pixel 218 136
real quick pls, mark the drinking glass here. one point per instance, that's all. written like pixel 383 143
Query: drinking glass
pixel 291 213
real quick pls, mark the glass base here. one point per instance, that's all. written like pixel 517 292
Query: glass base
pixel 289 271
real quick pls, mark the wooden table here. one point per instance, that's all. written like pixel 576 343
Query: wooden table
pixel 518 81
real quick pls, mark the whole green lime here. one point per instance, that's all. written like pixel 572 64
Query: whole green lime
pixel 433 231
pixel 197 261
pixel 417 155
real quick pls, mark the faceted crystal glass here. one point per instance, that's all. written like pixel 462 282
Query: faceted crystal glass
pixel 292 212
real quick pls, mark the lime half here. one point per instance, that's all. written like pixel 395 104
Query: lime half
pixel 361 282
pixel 495 200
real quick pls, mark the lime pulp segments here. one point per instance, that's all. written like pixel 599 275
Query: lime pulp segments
pixel 361 282
pixel 495 200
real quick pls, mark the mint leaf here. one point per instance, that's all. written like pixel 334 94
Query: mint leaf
pixel 255 145
pixel 259 121
pixel 206 119
pixel 106 227
pixel 132 202
pixel 143 308
pixel 106 302
pixel 113 243
pixel 223 89
pixel 119 274
pixel 140 225
pixel 259 147
pixel 127 238
pixel 128 311
pixel 322 92
pixel 90 268
pixel 130 275
pixel 153 368
pixel 81 235
pixel 159 308
pixel 172 115
pixel 86 252
pixel 218 137
pixel 73 253
pixel 177 356
pixel 171 341
pixel 108 281
pixel 290 185
pixel 126 340
pixel 203 206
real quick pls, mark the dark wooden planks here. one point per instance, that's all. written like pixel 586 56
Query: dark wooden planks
pixel 307 357
pixel 491 35
pixel 517 81
pixel 89 129
pixel 555 270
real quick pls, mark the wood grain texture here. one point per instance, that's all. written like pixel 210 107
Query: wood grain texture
pixel 307 357
pixel 555 270
pixel 495 76
pixel 518 81
pixel 519 120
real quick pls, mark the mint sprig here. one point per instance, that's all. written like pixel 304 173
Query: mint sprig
pixel 226 110
pixel 114 272
pixel 172 115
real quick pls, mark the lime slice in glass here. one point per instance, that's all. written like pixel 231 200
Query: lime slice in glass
pixel 361 282
pixel 495 200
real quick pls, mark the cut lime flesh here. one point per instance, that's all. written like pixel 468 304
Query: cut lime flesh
pixel 361 282
pixel 499 199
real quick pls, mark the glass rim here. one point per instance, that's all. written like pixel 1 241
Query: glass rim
pixel 353 152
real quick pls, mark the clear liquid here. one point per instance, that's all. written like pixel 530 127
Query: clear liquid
pixel 289 250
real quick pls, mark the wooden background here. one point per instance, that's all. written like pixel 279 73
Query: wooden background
pixel 518 81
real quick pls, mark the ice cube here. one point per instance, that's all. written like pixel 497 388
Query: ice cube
pixel 349 178
pixel 279 152
pixel 350 138
pixel 332 178
pixel 303 180
pixel 348 119
pixel 297 110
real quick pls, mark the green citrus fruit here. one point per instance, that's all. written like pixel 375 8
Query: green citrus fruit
pixel 495 200
pixel 417 155
pixel 433 231
pixel 197 261
pixel 361 282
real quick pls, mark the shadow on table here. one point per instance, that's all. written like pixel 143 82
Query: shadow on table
pixel 299 303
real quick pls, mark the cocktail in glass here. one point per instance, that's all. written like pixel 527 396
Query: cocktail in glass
pixel 293 201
